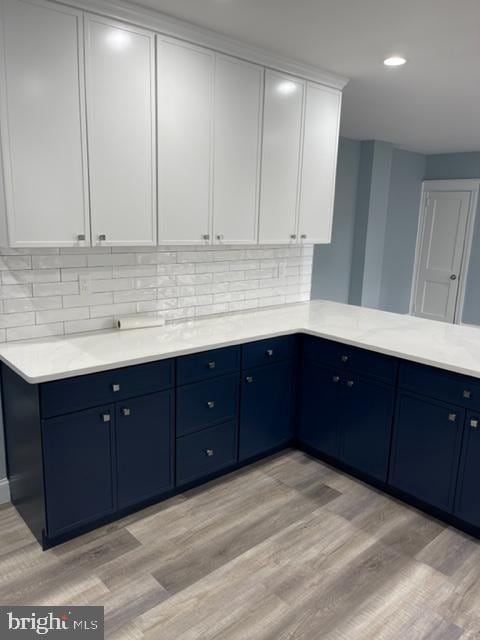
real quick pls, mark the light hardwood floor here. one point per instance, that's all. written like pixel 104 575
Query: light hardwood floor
pixel 285 549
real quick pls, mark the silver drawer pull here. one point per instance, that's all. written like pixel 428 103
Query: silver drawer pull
pixel 467 393
pixel 209 452
pixel 269 353
pixel 115 388
pixel 350 383
pixel 452 417
pixel 106 417
pixel 210 404
pixel 249 379
pixel 212 364
pixel 125 411
pixel 336 378
pixel 474 423
pixel 344 358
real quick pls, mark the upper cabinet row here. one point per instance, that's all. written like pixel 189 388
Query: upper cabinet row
pixel 112 135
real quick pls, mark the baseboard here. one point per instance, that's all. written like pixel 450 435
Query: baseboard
pixel 4 491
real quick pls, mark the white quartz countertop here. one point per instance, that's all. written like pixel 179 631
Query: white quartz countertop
pixel 452 347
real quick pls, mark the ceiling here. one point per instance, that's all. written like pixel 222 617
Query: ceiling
pixel 431 105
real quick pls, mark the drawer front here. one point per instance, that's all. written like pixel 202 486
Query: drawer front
pixel 439 384
pixel 268 351
pixel 350 358
pixel 72 394
pixel 206 365
pixel 203 453
pixel 204 404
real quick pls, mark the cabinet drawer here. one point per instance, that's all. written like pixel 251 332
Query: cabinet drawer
pixel 268 351
pixel 203 453
pixel 206 403
pixel 80 392
pixel 442 385
pixel 209 364
pixel 350 358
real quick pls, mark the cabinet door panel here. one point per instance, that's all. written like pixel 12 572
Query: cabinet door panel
pixel 426 449
pixel 144 428
pixel 185 110
pixel 366 425
pixel 238 102
pixel 78 468
pixel 282 125
pixel 319 165
pixel 266 408
pixel 467 503
pixel 120 64
pixel 319 404
pixel 43 125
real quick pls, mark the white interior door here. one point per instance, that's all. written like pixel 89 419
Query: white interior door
pixel 120 73
pixel 442 243
pixel 43 125
pixel 238 114
pixel 184 125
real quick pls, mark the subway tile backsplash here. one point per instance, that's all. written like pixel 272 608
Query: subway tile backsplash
pixel 40 292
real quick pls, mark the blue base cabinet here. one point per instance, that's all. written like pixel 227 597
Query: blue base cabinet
pixel 467 502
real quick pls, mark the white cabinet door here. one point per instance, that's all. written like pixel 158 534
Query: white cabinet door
pixel 320 143
pixel 184 124
pixel 238 107
pixel 120 85
pixel 282 127
pixel 43 127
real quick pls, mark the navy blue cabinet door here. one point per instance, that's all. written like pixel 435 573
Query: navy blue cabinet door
pixel 266 408
pixel 366 425
pixel 319 403
pixel 144 429
pixel 78 467
pixel 467 502
pixel 426 449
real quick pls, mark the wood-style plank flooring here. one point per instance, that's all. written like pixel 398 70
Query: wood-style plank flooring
pixel 285 549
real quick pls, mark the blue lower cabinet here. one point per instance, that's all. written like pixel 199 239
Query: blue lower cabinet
pixel 467 503
pixel 77 451
pixel 366 415
pixel 319 404
pixel 266 408
pixel 426 449
pixel 144 441
pixel 206 452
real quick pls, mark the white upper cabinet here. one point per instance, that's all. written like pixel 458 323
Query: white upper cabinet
pixel 282 129
pixel 185 76
pixel 320 143
pixel 120 88
pixel 42 125
pixel 237 122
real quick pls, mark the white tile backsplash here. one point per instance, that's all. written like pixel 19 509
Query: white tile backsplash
pixel 40 290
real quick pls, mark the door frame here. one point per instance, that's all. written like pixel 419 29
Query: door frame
pixel 473 186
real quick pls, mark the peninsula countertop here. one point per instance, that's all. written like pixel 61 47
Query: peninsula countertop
pixel 451 347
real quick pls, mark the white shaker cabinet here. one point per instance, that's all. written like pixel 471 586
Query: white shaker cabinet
pixel 185 78
pixel 237 127
pixel 120 88
pixel 42 125
pixel 320 143
pixel 282 133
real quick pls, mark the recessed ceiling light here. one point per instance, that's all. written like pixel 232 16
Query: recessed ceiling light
pixel 394 61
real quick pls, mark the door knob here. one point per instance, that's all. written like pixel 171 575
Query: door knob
pixel 453 277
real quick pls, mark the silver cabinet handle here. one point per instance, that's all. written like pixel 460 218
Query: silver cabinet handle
pixel 211 404
pixel 453 277
pixel 209 452
pixel 350 383
pixel 344 358
pixel 102 237
pixel 106 417
pixel 249 379
pixel 467 394
pixel 303 236
pixel 336 378
pixel 293 236
pixel 212 364
pixel 81 237
pixel 269 353
pixel 115 388
pixel 452 417
pixel 474 423
pixel 206 236
pixel 125 411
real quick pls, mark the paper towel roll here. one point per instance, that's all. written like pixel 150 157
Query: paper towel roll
pixel 139 321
